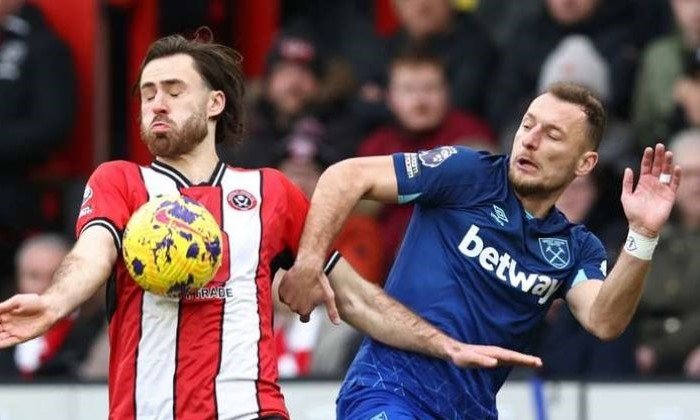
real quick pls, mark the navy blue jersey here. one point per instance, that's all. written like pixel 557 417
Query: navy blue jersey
pixel 479 267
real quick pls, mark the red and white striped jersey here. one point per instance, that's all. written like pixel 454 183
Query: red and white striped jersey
pixel 210 355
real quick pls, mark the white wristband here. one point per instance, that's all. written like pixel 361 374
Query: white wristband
pixel 640 246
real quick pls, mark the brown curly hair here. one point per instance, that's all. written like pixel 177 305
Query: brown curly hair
pixel 220 67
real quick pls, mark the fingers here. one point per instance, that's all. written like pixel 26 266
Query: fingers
pixel 9 305
pixel 627 182
pixel 667 165
pixel 659 159
pixel 510 357
pixel 329 300
pixel 7 340
pixel 482 360
pixel 647 159
pixel 675 178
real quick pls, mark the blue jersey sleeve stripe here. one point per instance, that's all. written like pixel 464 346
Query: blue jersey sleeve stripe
pixel 580 276
pixel 403 199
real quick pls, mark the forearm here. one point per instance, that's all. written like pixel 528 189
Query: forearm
pixel 369 309
pixel 618 297
pixel 337 192
pixel 82 272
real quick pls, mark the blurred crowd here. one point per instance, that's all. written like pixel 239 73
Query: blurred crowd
pixel 336 84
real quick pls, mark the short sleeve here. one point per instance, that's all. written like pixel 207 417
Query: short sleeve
pixel 593 262
pixel 442 176
pixel 105 201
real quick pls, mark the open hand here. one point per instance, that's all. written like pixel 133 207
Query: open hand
pixel 475 356
pixel 23 317
pixel 649 205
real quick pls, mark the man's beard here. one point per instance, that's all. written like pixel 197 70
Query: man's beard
pixel 179 141
pixel 535 189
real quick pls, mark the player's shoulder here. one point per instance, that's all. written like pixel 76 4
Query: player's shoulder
pixel 459 157
pixel 115 170
pixel 116 167
pixel 585 239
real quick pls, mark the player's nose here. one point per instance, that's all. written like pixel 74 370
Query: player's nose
pixel 159 104
pixel 531 139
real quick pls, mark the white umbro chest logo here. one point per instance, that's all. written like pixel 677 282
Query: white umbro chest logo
pixel 499 215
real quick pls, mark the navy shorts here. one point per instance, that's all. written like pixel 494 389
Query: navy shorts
pixel 376 404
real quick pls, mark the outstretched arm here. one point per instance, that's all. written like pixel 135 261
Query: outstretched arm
pixel 338 190
pixel 606 308
pixel 80 275
pixel 369 309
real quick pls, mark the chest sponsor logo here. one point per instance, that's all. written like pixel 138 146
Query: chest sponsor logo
pixel 555 251
pixel 435 157
pixel 499 215
pixel 505 268
pixel 241 200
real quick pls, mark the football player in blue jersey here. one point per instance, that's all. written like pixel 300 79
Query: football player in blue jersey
pixel 485 254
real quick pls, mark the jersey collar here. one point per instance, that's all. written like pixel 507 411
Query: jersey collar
pixel 182 181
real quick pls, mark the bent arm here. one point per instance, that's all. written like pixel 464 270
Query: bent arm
pixel 82 272
pixel 606 308
pixel 368 308
pixel 338 190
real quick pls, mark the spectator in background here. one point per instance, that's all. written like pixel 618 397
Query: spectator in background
pixel 418 96
pixel 36 261
pixel 37 109
pixel 577 60
pixel 669 315
pixel 607 23
pixel 566 348
pixel 457 38
pixel 290 108
pixel 667 94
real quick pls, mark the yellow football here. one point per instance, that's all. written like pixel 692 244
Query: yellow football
pixel 172 246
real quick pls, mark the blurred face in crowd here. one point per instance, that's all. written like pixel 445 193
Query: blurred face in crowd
pixel 688 195
pixel 578 198
pixel 423 18
pixel 36 265
pixel 291 87
pixel 569 12
pixel 8 7
pixel 177 106
pixel 550 148
pixel 304 173
pixel 687 15
pixel 418 95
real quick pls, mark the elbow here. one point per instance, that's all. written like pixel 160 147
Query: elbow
pixel 607 331
pixel 348 307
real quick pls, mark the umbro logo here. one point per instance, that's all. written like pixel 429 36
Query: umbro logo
pixel 499 215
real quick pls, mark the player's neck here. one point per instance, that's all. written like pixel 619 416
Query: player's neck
pixel 198 165
pixel 538 207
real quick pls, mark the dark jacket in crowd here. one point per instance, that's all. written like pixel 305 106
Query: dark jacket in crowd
pixel 37 90
pixel 328 134
pixel 611 29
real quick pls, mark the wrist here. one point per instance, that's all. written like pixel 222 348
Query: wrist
pixel 447 349
pixel 640 244
pixel 53 308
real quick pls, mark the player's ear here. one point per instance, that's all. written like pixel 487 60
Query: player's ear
pixel 586 163
pixel 216 103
